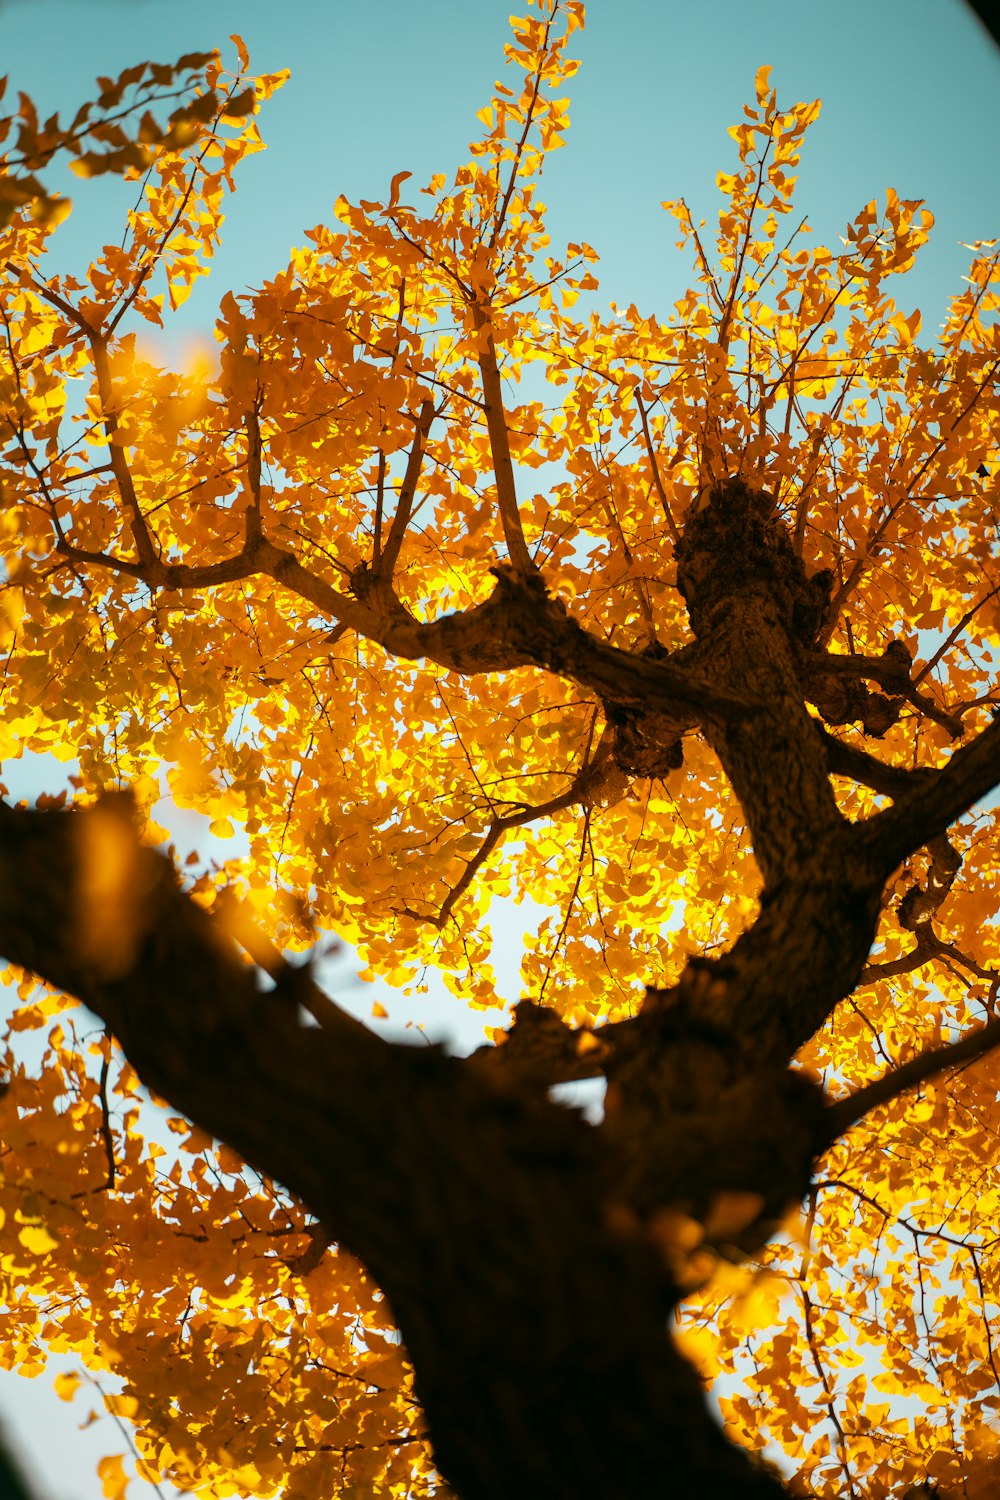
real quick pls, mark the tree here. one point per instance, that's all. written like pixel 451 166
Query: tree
pixel 718 694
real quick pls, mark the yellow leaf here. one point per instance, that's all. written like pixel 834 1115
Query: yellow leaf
pixel 394 187
pixel 114 1480
pixel 762 83
pixel 121 1406
pixel 701 1347
pixel 924 1108
pixel 241 104
pixel 758 1307
pixel 37 1239
pixel 67 1384
pixel 243 1296
pixel 11 614
pixel 53 211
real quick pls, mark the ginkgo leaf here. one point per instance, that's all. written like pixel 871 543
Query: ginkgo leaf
pixel 66 1384
pixel 114 1480
pixel 37 1239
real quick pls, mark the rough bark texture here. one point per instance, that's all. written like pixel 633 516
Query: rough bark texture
pixel 522 1249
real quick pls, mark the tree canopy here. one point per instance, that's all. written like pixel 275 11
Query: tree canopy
pixel 438 582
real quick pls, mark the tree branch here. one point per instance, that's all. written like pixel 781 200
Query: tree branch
pixel 147 552
pixel 655 467
pixel 859 765
pixel 915 911
pixel 953 636
pixel 930 808
pixel 583 784
pixel 519 625
pixel 478 1206
pixel 891 671
pixel 254 530
pixel 295 983
pixel 144 547
pixel 385 563
pixel 503 468
pixel 847 1112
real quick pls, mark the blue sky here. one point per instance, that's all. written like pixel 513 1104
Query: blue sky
pixel 908 87
pixel 909 90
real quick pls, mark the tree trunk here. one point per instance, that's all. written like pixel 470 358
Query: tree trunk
pixel 527 1254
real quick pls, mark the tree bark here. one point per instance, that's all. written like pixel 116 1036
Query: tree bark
pixel 522 1249
pixel 535 1317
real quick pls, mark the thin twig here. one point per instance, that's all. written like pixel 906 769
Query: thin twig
pixel 847 1112
pixel 654 465
pixel 253 517
pixel 386 562
pixel 503 467
pixel 106 1136
pixel 950 640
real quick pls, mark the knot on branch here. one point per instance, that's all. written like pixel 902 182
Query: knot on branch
pixel 362 579
pixel 371 584
pixel 646 743
pixel 897 659
pixel 916 910
pixel 734 541
pixel 540 625
pixel 693 1117
pixel 540 1049
pixel 847 700
pixel 515 584
pixel 835 684
pixel 920 902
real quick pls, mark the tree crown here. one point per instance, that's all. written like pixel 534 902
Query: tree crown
pixel 416 579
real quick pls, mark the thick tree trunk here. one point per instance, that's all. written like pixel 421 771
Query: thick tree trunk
pixel 534 1316
pixel 522 1249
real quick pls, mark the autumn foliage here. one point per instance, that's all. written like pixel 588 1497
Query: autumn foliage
pixel 320 585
